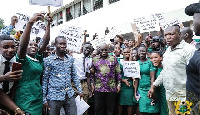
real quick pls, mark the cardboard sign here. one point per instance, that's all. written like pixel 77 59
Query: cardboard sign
pixel 172 22
pixel 74 38
pixel 135 32
pixel 38 29
pixel 160 17
pixel 131 69
pixel 55 3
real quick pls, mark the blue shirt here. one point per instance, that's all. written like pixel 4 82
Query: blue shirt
pixel 57 76
pixel 6 30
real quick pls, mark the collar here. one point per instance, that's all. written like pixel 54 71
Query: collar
pixel 57 57
pixel 4 59
pixel 32 58
pixel 179 46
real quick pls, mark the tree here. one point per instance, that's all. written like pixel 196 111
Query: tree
pixel 1 23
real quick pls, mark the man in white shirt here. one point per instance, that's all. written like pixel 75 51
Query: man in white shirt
pixel 83 64
pixel 173 76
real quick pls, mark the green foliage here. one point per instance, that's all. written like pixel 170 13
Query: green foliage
pixel 1 23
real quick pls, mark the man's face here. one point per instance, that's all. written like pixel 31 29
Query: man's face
pixel 8 49
pixel 126 43
pixel 131 43
pixel 196 23
pixel 61 45
pixel 87 49
pixel 172 36
pixel 104 50
pixel 155 44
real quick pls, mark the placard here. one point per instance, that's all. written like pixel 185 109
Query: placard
pixel 38 29
pixel 172 22
pixel 56 3
pixel 97 42
pixel 131 69
pixel 73 36
pixel 111 35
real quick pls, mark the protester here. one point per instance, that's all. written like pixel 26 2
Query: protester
pixel 156 59
pixel 173 75
pixel 8 29
pixel 127 90
pixel 131 43
pixel 187 35
pixel 126 43
pixel 83 64
pixel 105 82
pixel 28 95
pixel 56 82
pixel 192 68
pixel 147 72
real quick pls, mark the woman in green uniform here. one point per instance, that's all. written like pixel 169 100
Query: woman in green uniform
pixel 156 58
pixel 28 95
pixel 147 72
pixel 127 90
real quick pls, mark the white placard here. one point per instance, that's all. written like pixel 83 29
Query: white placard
pixel 74 38
pixel 56 3
pixel 160 17
pixel 38 29
pixel 111 35
pixel 147 24
pixel 131 69
pixel 172 22
pixel 81 105
pixel 97 42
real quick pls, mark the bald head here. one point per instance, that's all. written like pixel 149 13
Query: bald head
pixel 186 34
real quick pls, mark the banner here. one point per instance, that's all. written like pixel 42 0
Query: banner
pixel 38 29
pixel 74 38
pixel 55 3
pixel 131 69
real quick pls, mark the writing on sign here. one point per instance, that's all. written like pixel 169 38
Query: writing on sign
pixel 131 69
pixel 56 3
pixel 172 22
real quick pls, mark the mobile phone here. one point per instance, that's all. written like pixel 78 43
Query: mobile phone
pixel 16 66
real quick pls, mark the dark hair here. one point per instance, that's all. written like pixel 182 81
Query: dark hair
pixel 158 52
pixel 5 37
pixel 59 37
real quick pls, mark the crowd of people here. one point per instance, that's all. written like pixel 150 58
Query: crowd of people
pixel 49 77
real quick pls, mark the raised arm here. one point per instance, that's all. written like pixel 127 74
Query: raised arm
pixel 24 41
pixel 46 37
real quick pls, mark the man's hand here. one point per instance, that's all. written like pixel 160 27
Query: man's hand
pixel 151 91
pixel 36 17
pixel 14 20
pixel 81 95
pixel 118 89
pixel 19 112
pixel 15 75
pixel 46 106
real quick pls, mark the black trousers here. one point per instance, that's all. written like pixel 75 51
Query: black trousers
pixel 104 103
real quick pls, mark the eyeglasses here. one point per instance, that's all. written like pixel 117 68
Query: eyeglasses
pixel 103 50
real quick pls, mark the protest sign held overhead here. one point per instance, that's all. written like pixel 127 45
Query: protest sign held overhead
pixel 38 29
pixel 111 35
pixel 55 3
pixel 131 69
pixel 172 22
pixel 73 36
pixel 98 41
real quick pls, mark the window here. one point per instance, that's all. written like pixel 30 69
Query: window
pixel 112 1
pixel 69 14
pixel 60 18
pixel 87 6
pixel 98 4
pixel 77 10
pixel 54 22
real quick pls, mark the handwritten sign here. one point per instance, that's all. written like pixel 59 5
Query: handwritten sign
pixel 131 69
pixel 147 24
pixel 73 36
pixel 111 35
pixel 160 17
pixel 172 22
pixel 38 29
pixel 56 3
pixel 98 41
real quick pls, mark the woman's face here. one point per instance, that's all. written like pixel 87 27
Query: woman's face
pixel 142 51
pixel 117 50
pixel 32 48
pixel 126 53
pixel 155 59
pixel 134 55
